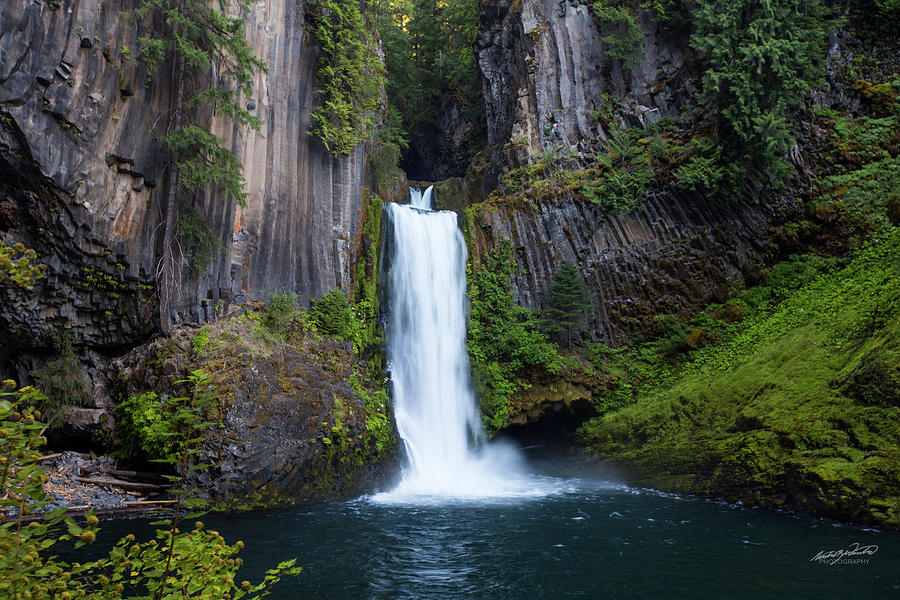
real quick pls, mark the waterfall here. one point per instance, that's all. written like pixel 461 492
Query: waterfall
pixel 435 408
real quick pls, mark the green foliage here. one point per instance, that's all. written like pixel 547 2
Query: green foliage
pixel 178 564
pixel 200 341
pixel 628 169
pixel 350 74
pixel 279 314
pixel 370 336
pixel 144 428
pixel 803 380
pixel 390 142
pixel 208 40
pixel 428 56
pixel 200 245
pixel 60 381
pixel 17 265
pixel 203 161
pixel 565 319
pixel 333 315
pixel 621 32
pixel 705 170
pixel 760 60
pixel 378 419
pixel 503 341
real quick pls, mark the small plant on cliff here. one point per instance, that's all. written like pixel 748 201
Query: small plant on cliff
pixel 60 380
pixel 351 76
pixel 332 314
pixel 565 319
pixel 210 59
pixel 17 265
pixel 280 313
pixel 194 563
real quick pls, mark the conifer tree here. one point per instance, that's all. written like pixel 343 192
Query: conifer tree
pixel 565 320
pixel 212 65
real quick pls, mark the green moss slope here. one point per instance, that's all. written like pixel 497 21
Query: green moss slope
pixel 799 407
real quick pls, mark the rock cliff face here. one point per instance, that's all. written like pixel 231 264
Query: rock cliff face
pixel 672 256
pixel 545 72
pixel 82 174
pixel 546 77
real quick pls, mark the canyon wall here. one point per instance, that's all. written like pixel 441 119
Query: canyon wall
pixel 82 174
pixel 548 81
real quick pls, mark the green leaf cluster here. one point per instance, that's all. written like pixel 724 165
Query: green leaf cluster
pixel 17 265
pixel 220 65
pixel 333 315
pixel 620 31
pixel 144 428
pixel 760 59
pixel 350 74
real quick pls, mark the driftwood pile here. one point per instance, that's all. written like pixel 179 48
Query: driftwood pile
pixel 80 482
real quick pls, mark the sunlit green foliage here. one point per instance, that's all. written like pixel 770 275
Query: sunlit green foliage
pixel 17 265
pixel 350 74
pixel 503 341
pixel 178 564
pixel 143 429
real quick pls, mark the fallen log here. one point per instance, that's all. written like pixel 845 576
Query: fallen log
pixel 49 456
pixel 119 483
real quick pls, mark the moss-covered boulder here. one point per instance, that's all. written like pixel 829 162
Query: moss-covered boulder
pixel 298 417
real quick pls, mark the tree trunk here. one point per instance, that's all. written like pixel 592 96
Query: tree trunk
pixel 168 277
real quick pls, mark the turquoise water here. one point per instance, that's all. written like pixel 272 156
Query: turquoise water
pixel 590 540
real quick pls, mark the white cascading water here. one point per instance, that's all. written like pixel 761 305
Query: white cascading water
pixel 435 407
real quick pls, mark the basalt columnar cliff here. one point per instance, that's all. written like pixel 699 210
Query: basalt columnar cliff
pixel 83 175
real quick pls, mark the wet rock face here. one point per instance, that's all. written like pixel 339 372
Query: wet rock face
pixel 674 255
pixel 545 71
pixel 83 172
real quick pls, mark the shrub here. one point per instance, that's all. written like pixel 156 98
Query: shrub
pixel 279 313
pixel 60 380
pixel 333 316
pixel 503 341
pixel 144 429
pixel 621 32
pixel 350 74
